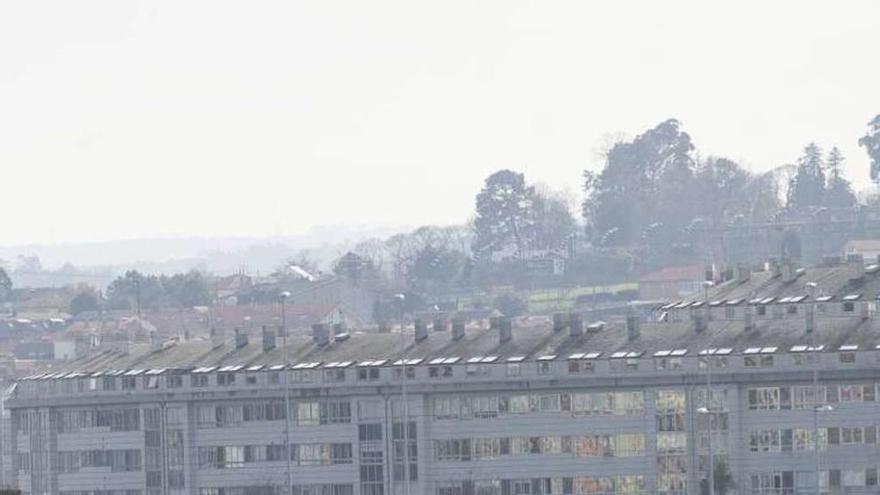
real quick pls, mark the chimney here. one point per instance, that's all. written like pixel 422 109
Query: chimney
pixel 632 327
pixel 155 341
pixel 789 271
pixel 339 329
pixel 743 273
pixel 216 338
pixel 700 323
pixel 320 334
pixel 268 339
pixel 559 322
pixel 747 318
pixel 810 317
pixel 241 338
pixel 775 269
pixel 457 329
pixel 575 325
pixel 857 261
pixel 421 329
pixel 505 329
pixel 494 322
pixel 441 324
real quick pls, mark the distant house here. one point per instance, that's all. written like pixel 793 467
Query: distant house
pixel 226 289
pixel 868 248
pixel 672 282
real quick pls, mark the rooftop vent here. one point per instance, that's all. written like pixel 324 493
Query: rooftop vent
pixel 457 329
pixel 742 273
pixel 505 329
pixel 241 338
pixel 421 330
pixel 575 324
pixel 155 340
pixel 268 339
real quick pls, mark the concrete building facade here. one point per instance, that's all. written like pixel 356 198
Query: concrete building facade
pixel 755 400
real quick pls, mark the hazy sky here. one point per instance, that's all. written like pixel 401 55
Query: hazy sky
pixel 122 119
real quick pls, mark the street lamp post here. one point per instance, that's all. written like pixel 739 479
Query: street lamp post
pixel 707 410
pixel 403 396
pixel 283 299
pixel 817 407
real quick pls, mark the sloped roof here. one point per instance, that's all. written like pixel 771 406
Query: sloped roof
pixel 864 244
pixel 530 342
pixel 838 280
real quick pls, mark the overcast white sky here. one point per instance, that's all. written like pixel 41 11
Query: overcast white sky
pixel 122 119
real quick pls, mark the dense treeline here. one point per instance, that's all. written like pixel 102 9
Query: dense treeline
pixel 647 204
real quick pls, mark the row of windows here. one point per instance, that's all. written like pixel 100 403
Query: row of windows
pixel 74 420
pixel 306 454
pixel 118 461
pixel 619 445
pixel 321 489
pixel 302 413
pixel 800 439
pixel 804 482
pixel 809 396
pixel 579 485
pixel 490 406
pixel 100 492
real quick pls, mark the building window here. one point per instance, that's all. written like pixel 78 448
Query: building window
pixel 847 357
pixel 849 307
pixel 368 373
pixel 199 380
pixel 758 361
pixel 764 399
pixel 225 379
pixel 514 369
pixel 440 371
pixel 545 368
pixel 174 381
pixel 410 372
pixel 334 375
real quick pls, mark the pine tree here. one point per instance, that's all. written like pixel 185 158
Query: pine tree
pixel 838 193
pixel 807 187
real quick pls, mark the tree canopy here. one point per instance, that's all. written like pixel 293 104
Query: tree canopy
pixel 655 186
pixel 136 291
pixel 871 142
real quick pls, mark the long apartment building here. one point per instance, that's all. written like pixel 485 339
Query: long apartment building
pixel 755 389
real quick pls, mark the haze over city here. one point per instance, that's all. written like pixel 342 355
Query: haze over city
pixel 123 120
